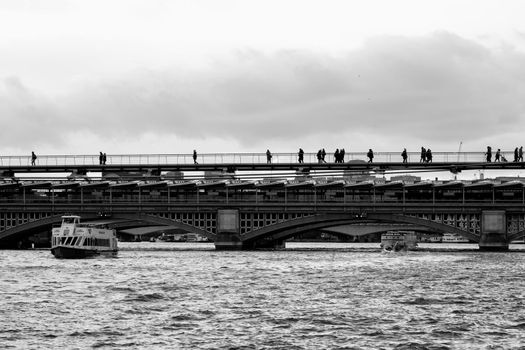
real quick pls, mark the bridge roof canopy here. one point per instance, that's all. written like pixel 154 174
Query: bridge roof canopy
pixel 480 185
pixel 184 184
pixel 213 184
pixel 96 184
pixel 331 184
pixel 123 185
pixel 390 185
pixel 420 185
pixel 241 185
pixel 360 185
pixel 272 184
pixel 9 185
pixel 66 185
pixel 37 185
pixel 510 184
pixel 301 184
pixel 450 185
pixel 153 184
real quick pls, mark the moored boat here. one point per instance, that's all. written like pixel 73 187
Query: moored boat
pixel 75 240
pixel 453 238
pixel 394 241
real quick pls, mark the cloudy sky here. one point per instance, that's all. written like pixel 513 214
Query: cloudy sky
pixel 155 76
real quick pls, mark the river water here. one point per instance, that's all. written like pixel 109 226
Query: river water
pixel 188 296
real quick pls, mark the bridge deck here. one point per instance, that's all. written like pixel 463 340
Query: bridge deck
pixel 453 161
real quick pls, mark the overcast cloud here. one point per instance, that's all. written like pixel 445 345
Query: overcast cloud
pixel 436 89
pixel 170 76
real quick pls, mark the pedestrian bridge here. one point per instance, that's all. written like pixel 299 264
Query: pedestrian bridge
pixel 238 214
pixel 234 162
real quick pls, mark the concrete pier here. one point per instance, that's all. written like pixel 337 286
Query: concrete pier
pixel 228 237
pixel 493 231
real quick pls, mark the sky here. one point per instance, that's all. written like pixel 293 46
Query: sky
pixel 168 76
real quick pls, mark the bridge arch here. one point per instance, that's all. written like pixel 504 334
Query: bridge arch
pixel 43 223
pixel 439 227
pixel 284 230
pixel 516 236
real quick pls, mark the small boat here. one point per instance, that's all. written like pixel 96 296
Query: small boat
pixel 395 241
pixel 75 240
pixel 453 238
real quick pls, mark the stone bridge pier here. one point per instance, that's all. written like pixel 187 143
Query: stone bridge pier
pixel 493 231
pixel 228 230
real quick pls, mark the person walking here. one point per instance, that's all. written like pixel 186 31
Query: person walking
pixel 100 158
pixel 195 157
pixel 423 155
pixel 404 155
pixel 489 154
pixel 300 155
pixel 268 156
pixel 336 155
pixel 33 158
pixel 104 158
pixel 516 155
pixel 520 154
pixel 319 156
pixel 370 155
pixel 498 155
pixel 323 155
pixel 342 155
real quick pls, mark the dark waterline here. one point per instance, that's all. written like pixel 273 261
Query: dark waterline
pixel 158 295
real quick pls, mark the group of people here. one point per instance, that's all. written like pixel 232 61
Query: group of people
pixel 499 157
pixel 426 156
pixel 339 155
pixel 102 159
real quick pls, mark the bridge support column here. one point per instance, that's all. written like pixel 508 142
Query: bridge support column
pixel 228 237
pixel 493 231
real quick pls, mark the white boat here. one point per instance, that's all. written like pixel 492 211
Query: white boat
pixel 75 240
pixel 453 238
pixel 398 240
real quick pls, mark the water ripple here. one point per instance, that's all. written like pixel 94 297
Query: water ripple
pixel 301 299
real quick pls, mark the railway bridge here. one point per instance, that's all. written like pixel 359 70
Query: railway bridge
pixel 248 214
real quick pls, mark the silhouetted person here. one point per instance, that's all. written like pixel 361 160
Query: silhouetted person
pixel 336 155
pixel 195 157
pixel 423 155
pixel 104 158
pixel 342 155
pixel 101 158
pixel 498 155
pixel 489 154
pixel 323 155
pixel 370 155
pixel 33 158
pixel 300 155
pixel 516 154
pixel 520 154
pixel 404 155
pixel 268 156
pixel 429 156
pixel 319 156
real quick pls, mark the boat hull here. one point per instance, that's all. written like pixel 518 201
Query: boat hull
pixel 76 253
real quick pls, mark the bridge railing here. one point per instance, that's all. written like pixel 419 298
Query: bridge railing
pixel 237 158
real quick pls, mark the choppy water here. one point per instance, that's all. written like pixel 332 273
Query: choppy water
pixel 158 296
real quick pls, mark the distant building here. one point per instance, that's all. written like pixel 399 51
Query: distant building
pixel 174 175
pixel 407 179
pixel 218 175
